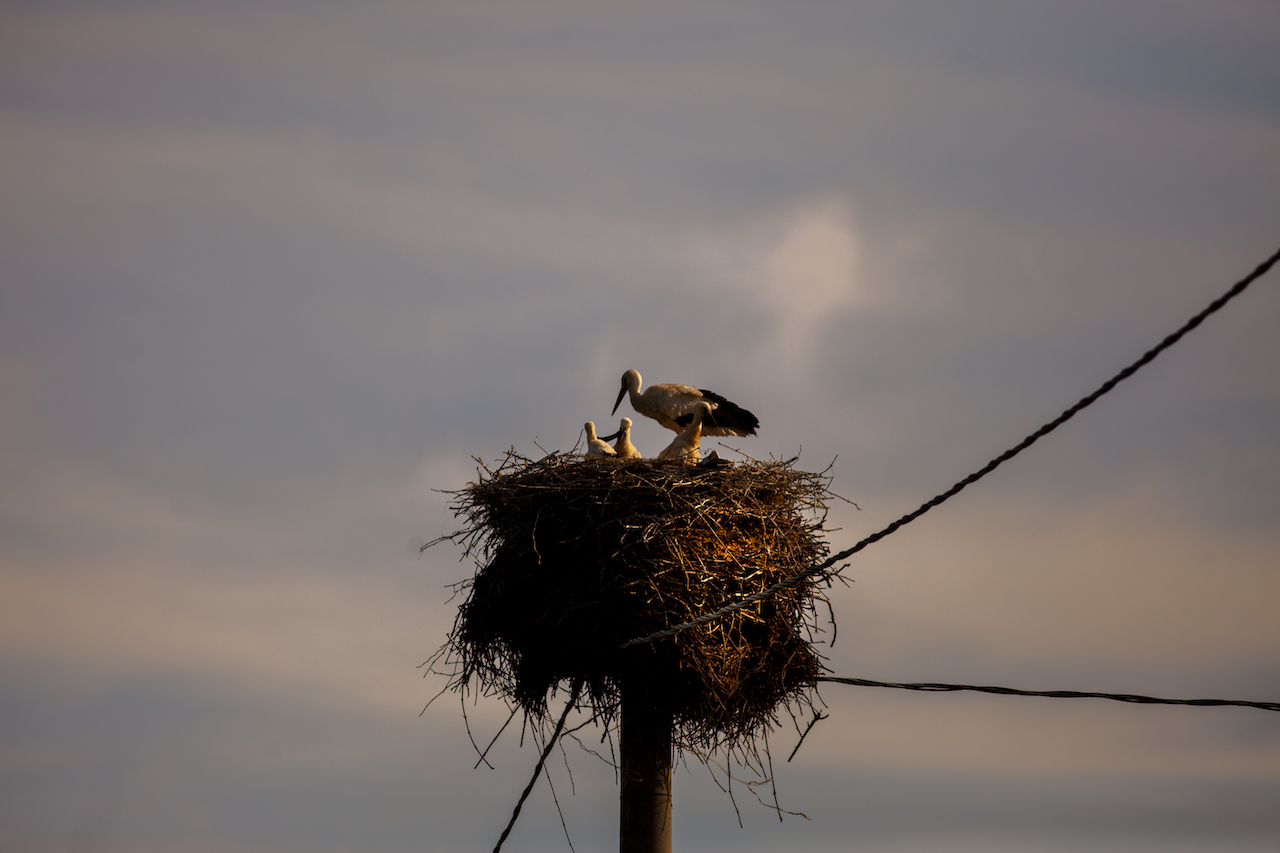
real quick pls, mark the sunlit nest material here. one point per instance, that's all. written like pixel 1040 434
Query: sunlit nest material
pixel 577 556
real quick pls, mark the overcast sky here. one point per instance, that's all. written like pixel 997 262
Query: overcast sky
pixel 272 273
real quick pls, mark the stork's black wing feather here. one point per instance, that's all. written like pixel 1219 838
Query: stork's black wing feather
pixel 731 415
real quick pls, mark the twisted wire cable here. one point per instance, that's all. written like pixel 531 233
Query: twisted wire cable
pixel 542 759
pixel 1146 358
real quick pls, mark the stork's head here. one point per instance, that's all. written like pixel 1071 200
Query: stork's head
pixel 630 382
pixel 624 429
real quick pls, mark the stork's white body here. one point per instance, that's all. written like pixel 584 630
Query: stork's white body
pixel 685 445
pixel 673 405
pixel 596 447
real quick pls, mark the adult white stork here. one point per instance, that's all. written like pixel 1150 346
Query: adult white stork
pixel 673 407
pixel 685 445
pixel 623 446
pixel 595 446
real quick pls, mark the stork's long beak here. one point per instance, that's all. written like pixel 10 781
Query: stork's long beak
pixel 618 402
pixel 610 437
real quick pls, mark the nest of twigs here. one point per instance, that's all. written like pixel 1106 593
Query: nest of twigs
pixel 576 556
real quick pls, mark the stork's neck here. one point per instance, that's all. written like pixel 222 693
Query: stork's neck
pixel 698 414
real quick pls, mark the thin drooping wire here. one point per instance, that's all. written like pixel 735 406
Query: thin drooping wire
pixel 1052 694
pixel 551 742
pixel 1169 341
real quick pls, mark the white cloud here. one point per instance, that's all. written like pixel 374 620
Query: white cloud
pixel 797 268
pixel 811 274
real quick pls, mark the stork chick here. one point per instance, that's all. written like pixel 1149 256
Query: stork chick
pixel 685 445
pixel 595 446
pixel 623 446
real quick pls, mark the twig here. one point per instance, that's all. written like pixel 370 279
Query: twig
pixel 818 715
pixel 772 784
pixel 495 737
pixel 467 724
pixel 546 771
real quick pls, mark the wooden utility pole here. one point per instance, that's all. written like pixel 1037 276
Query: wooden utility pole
pixel 645 747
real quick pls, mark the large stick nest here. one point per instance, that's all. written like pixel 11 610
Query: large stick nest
pixel 577 556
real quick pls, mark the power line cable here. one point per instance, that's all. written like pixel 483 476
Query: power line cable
pixel 1051 694
pixel 1147 357
pixel 537 771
